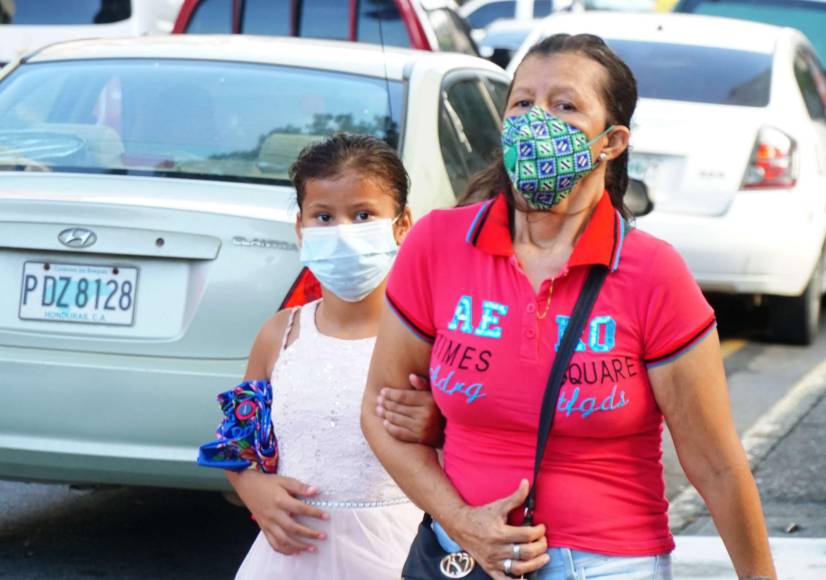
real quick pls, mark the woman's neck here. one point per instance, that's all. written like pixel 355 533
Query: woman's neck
pixel 350 320
pixel 563 224
pixel 544 240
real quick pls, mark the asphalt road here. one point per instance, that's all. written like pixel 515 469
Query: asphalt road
pixel 50 531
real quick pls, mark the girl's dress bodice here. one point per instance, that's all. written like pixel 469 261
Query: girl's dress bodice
pixel 318 384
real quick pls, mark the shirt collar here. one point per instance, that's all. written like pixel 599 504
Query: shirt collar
pixel 600 243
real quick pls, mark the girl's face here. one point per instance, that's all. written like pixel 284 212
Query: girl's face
pixel 350 198
pixel 568 85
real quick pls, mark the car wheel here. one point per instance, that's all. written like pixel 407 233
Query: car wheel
pixel 795 319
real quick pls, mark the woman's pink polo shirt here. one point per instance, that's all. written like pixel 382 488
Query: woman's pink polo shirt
pixel 458 285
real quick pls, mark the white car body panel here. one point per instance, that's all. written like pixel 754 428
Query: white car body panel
pixel 523 10
pixel 734 240
pixel 148 17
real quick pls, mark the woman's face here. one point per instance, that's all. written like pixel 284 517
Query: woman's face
pixel 567 85
pixel 350 198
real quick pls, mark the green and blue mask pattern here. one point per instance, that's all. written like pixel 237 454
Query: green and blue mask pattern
pixel 545 157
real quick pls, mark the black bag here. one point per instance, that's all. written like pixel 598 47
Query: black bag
pixel 426 559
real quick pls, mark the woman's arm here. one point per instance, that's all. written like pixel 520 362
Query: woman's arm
pixel 481 531
pixel 693 396
pixel 273 499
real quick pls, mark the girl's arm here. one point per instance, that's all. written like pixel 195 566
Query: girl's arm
pixel 271 498
pixel 693 396
pixel 411 414
pixel 482 531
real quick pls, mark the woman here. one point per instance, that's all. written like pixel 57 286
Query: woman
pixel 480 297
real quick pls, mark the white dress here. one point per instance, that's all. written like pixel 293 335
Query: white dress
pixel 318 383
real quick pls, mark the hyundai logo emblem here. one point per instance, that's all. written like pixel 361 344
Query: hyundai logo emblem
pixel 77 238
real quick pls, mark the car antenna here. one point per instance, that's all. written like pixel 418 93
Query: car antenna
pixel 386 75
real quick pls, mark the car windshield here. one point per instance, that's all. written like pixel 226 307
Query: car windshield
pixel 178 118
pixel 808 17
pixel 699 74
pixel 61 12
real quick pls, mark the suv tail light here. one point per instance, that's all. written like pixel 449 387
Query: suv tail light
pixel 773 162
pixel 305 289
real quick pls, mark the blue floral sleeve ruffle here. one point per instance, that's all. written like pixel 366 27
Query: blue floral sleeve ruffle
pixel 245 435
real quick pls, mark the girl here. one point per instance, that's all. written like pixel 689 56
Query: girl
pixel 351 521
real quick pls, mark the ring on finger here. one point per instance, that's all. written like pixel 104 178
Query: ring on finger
pixel 516 549
pixel 507 566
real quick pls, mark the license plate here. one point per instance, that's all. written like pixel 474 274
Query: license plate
pixel 78 293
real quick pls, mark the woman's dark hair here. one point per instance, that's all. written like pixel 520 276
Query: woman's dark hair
pixel 369 156
pixel 619 94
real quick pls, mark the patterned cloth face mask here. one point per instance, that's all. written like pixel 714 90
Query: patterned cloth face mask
pixel 545 157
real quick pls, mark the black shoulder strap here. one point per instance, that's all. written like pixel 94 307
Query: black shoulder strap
pixel 582 310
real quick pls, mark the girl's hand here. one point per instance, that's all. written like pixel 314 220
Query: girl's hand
pixel 410 415
pixel 485 534
pixel 272 499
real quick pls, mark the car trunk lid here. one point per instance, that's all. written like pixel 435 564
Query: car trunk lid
pixel 187 268
pixel 692 156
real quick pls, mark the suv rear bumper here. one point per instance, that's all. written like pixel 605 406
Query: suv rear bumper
pixel 91 418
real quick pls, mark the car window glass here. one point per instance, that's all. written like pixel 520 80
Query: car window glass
pixel 499 93
pixel 452 153
pixel 809 89
pixel 57 12
pixel 808 17
pixel 474 117
pixel 487 13
pixel 211 17
pixel 542 8
pixel 819 75
pixel 451 32
pixel 379 22
pixel 266 17
pixel 324 19
pixel 700 74
pixel 210 120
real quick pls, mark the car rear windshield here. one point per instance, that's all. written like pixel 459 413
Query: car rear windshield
pixel 178 118
pixel 701 74
pixel 808 17
pixel 64 12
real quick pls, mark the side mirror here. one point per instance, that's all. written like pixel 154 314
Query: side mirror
pixel 501 56
pixel 637 198
pixel 498 56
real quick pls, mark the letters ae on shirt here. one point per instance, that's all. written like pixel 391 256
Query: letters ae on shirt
pixel 462 357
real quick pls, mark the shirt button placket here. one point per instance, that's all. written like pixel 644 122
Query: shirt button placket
pixel 528 348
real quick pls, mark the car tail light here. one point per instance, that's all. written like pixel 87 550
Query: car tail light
pixel 305 289
pixel 773 162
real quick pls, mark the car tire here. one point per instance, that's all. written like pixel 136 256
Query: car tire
pixel 796 319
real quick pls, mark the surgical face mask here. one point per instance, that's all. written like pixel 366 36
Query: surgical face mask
pixel 350 260
pixel 545 157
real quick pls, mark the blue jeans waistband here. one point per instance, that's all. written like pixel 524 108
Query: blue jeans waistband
pixel 569 564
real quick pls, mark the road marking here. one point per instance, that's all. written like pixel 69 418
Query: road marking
pixel 731 345
pixel 760 439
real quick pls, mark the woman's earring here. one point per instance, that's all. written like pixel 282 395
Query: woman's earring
pixel 602 156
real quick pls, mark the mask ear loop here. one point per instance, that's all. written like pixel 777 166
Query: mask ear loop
pixel 601 157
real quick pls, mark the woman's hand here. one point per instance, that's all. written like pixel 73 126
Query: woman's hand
pixel 411 415
pixel 272 499
pixel 485 534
